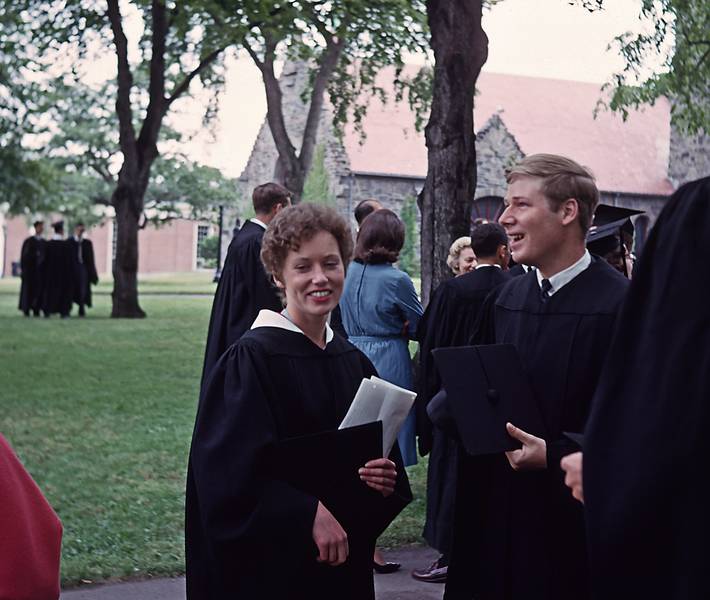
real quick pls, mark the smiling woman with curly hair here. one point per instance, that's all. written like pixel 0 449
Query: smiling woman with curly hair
pixel 249 533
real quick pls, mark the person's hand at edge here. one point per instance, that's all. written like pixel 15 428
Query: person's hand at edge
pixel 572 466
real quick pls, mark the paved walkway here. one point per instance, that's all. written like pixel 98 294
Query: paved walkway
pixel 396 586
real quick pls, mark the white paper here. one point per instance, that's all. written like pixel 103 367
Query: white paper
pixel 380 400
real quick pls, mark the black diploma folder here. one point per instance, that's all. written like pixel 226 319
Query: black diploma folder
pixel 487 387
pixel 325 465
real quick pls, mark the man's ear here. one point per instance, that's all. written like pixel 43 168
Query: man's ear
pixel 569 211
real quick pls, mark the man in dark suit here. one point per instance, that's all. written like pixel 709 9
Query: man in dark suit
pixel 244 288
pixel 31 257
pixel 448 321
pixel 83 268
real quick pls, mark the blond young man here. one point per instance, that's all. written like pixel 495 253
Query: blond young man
pixel 518 534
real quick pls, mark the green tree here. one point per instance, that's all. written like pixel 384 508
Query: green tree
pixel 343 45
pixel 183 43
pixel 317 185
pixel 678 39
pixel 409 257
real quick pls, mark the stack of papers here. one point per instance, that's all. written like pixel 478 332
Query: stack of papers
pixel 380 400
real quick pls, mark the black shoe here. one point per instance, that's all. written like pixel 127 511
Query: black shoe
pixel 385 568
pixel 435 573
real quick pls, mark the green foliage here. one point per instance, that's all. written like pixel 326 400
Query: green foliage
pixel 208 251
pixel 678 37
pixel 409 258
pixel 317 186
pixel 110 451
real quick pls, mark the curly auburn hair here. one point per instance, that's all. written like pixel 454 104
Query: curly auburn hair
pixel 297 224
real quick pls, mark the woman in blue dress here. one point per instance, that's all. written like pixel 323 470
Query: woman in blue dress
pixel 380 309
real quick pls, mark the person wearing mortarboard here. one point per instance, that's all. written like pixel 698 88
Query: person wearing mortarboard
pixel 83 268
pixel 57 273
pixel 31 258
pixel 611 237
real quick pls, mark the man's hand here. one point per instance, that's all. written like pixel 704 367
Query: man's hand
pixel 380 474
pixel 572 466
pixel 533 454
pixel 330 537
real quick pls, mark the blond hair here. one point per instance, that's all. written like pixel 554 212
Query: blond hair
pixel 562 179
pixel 452 260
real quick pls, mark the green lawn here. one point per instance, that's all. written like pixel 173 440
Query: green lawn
pixel 101 413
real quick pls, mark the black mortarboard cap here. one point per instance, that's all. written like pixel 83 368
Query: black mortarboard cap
pixel 335 481
pixel 609 220
pixel 487 387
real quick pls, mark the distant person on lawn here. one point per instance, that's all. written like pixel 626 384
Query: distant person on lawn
pixel 244 287
pixel 83 268
pixel 31 257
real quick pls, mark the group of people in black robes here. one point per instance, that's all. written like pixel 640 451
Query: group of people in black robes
pixel 507 524
pixel 56 273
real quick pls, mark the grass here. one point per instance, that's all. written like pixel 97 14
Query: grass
pixel 101 413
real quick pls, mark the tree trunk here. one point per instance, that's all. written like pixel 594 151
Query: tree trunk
pixel 125 266
pixel 460 50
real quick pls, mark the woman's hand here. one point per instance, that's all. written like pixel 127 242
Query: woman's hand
pixel 380 474
pixel 330 537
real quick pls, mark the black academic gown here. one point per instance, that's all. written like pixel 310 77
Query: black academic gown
pixel 57 292
pixel 243 290
pixel 646 485
pixel 520 535
pixel 83 267
pixel 31 259
pixel 249 535
pixel 448 321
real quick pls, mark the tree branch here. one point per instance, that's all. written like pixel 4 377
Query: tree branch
pixel 328 63
pixel 185 83
pixel 127 135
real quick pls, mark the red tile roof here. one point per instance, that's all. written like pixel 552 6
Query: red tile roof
pixel 544 115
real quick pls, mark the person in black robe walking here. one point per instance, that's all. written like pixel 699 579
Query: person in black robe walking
pixel 645 491
pixel 57 290
pixel 248 533
pixel 83 268
pixel 448 321
pixel 244 287
pixel 518 534
pixel 31 259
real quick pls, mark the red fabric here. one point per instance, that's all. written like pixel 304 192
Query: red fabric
pixel 30 535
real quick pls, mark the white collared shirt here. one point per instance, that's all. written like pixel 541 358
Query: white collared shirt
pixel 486 265
pixel 561 279
pixel 269 318
pixel 258 222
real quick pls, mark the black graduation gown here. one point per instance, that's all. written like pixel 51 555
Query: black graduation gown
pixel 520 535
pixel 243 290
pixel 646 485
pixel 448 321
pixel 57 292
pixel 31 259
pixel 83 271
pixel 249 535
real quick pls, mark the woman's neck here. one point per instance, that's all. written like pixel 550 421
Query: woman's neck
pixel 312 326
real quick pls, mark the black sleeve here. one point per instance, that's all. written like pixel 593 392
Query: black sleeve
pixel 241 506
pixel 264 294
pixel 90 263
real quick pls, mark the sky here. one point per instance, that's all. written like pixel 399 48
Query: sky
pixel 545 38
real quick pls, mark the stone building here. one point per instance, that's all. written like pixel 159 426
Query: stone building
pixel 637 163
